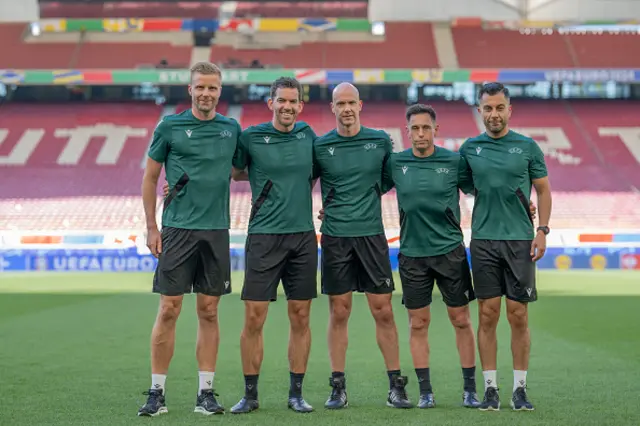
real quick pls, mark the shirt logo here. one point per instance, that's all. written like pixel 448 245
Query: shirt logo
pixel 188 132
pixel 301 135
pixel 225 134
pixel 478 149
pixel 404 170
pixel 370 146
pixel 515 151
pixel 267 139
pixel 331 150
pixel 441 170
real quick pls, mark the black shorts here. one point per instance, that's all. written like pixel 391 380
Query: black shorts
pixel 450 271
pixel 193 260
pixel 356 264
pixel 292 258
pixel 503 268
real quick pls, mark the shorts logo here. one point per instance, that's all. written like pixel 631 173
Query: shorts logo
pixel 267 139
pixel 370 146
pixel 441 170
pixel 387 281
pixel 404 170
pixel 227 284
pixel 529 291
pixel 188 132
pixel 515 151
pixel 331 150
pixel 478 149
pixel 225 134
pixel 301 135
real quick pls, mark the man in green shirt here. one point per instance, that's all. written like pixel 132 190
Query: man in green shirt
pixel 504 246
pixel 196 147
pixel 281 242
pixel 355 254
pixel 428 180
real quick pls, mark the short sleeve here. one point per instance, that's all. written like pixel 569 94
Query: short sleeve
pixel 387 174
pixel 241 156
pixel 465 179
pixel 160 143
pixel 537 166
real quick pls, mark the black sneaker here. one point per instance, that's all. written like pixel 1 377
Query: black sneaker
pixel 397 397
pixel 427 400
pixel 299 405
pixel 338 397
pixel 245 405
pixel 207 404
pixel 470 400
pixel 519 400
pixel 155 404
pixel 491 401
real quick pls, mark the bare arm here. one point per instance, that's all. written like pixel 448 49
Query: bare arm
pixel 543 189
pixel 239 175
pixel 149 197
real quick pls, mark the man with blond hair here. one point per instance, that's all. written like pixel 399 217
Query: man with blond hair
pixel 196 147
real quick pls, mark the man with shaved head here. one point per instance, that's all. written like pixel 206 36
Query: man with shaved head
pixel 349 161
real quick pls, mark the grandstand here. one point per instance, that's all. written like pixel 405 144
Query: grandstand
pixel 98 77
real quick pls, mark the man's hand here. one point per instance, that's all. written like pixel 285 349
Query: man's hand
pixel 154 241
pixel 538 246
pixel 165 189
pixel 532 209
pixel 321 214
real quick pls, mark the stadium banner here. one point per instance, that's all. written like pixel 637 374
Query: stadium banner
pixel 134 260
pixel 242 25
pixel 170 77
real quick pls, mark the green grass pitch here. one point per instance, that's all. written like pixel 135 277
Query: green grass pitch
pixel 74 350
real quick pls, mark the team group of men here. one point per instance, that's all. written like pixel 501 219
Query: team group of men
pixel 356 165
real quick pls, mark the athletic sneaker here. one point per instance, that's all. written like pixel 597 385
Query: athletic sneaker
pixel 491 401
pixel 519 400
pixel 338 397
pixel 397 397
pixel 155 404
pixel 245 405
pixel 299 405
pixel 427 400
pixel 470 399
pixel 207 404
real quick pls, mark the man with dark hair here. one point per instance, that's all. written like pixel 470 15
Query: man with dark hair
pixel 504 248
pixel 427 179
pixel 355 254
pixel 281 242
pixel 193 248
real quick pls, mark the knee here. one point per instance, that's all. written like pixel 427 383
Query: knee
pixel 340 313
pixel 208 313
pixel 419 323
pixel 299 315
pixel 489 316
pixel 517 317
pixel 254 318
pixel 383 314
pixel 460 320
pixel 169 310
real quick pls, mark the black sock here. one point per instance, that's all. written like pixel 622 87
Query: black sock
pixel 337 374
pixel 424 380
pixel 251 386
pixel 469 376
pixel 392 374
pixel 295 384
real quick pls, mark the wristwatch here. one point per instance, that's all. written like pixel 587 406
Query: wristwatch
pixel 545 229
